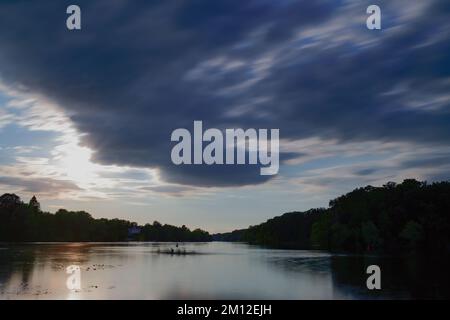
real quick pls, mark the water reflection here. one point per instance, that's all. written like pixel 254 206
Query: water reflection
pixel 215 271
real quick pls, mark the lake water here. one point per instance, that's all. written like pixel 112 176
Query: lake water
pixel 216 271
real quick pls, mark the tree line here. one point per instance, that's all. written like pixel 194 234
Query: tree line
pixel 26 222
pixel 410 216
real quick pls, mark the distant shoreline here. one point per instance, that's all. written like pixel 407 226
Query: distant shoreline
pixel 411 217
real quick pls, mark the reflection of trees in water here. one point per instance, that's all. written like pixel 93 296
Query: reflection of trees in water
pixel 412 277
pixel 18 262
pixel 401 277
pixel 349 276
pixel 302 264
pixel 429 277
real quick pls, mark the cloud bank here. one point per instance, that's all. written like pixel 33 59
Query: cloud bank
pixel 140 69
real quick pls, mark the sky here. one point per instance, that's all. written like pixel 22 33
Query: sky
pixel 86 115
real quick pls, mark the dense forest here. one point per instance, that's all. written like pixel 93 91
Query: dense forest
pixel 26 222
pixel 411 216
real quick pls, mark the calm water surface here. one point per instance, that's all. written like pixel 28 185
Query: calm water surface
pixel 216 271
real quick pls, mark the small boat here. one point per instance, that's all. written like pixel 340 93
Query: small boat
pixel 172 251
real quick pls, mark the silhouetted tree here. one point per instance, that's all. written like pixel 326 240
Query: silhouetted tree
pixel 34 204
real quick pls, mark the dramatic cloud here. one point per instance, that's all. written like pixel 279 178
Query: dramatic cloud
pixel 139 69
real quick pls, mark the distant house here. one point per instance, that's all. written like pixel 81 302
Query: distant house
pixel 133 232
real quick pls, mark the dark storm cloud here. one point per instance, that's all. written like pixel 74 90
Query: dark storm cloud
pixel 140 69
pixel 216 175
